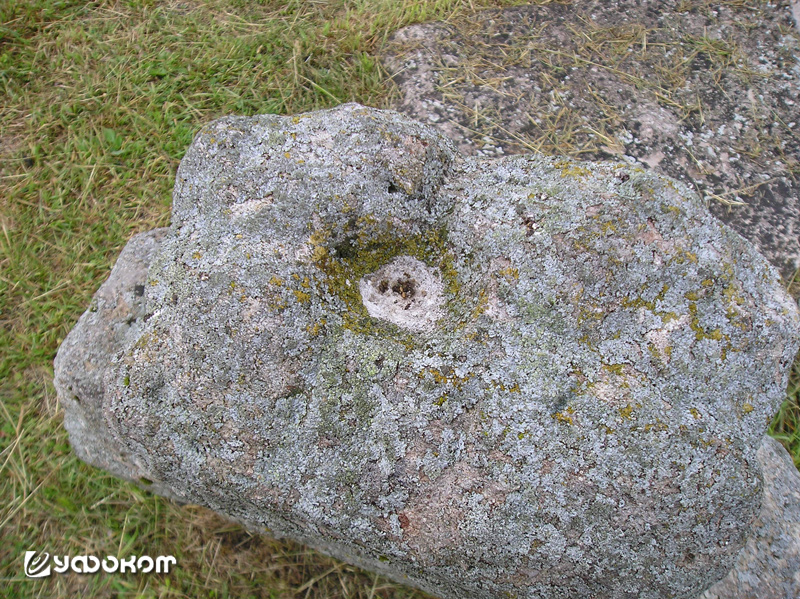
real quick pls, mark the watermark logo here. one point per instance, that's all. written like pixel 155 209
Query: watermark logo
pixel 37 564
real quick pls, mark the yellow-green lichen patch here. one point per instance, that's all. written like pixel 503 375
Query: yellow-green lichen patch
pixel 482 305
pixel 675 210
pixel 684 256
pixel 571 169
pixel 626 413
pixel 587 341
pixel 316 328
pixel 658 426
pixel 591 313
pixel 638 302
pixel 734 311
pixel 145 340
pixel 301 296
pixel 614 368
pixel 277 304
pixel 565 416
pixel 509 388
pixel 448 377
pixel 699 332
pixel 509 273
pixel 608 227
pixel 693 295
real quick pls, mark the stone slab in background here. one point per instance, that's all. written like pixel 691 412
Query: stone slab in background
pixel 559 390
pixel 705 92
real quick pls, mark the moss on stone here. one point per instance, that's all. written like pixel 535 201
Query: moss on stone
pixel 343 265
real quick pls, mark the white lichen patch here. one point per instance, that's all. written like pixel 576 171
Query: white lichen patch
pixel 251 206
pixel 405 292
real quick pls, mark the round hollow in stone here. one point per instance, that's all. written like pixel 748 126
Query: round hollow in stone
pixel 405 292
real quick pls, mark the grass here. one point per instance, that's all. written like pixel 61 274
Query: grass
pixel 785 427
pixel 99 101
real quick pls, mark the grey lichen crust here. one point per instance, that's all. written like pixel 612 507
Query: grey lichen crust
pixel 114 317
pixel 769 565
pixel 570 407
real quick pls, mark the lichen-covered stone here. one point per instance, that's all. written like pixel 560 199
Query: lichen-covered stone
pixel 114 317
pixel 768 567
pixel 556 389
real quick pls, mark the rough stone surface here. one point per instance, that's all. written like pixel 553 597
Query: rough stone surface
pixel 769 565
pixel 115 316
pixel 581 420
pixel 705 92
